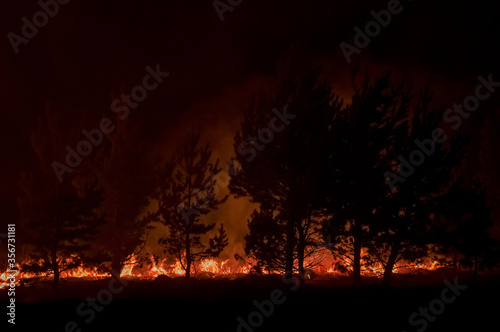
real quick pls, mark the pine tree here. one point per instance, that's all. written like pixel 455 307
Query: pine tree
pixel 124 171
pixel 187 191
pixel 468 221
pixel 57 218
pixel 411 205
pixel 280 150
pixel 361 136
pixel 265 243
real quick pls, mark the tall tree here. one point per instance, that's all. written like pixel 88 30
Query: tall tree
pixel 186 193
pixel 279 150
pixel 125 172
pixel 466 230
pixel 490 163
pixel 417 153
pixel 359 142
pixel 58 220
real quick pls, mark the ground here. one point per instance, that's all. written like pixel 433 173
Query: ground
pixel 325 304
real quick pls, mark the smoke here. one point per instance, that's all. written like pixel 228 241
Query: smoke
pixel 218 118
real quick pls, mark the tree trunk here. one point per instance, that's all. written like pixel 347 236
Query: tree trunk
pixel 390 265
pixel 290 244
pixel 455 262
pixel 300 254
pixel 188 256
pixel 475 270
pixel 116 264
pixel 356 268
pixel 116 246
pixel 55 269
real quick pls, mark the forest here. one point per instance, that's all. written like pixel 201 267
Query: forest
pixel 372 183
pixel 250 166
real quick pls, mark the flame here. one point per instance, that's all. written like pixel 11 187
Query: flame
pixel 177 269
pixel 210 266
pixel 5 281
pixel 245 269
pixel 80 272
pixel 127 268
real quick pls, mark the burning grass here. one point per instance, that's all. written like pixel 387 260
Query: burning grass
pixel 207 268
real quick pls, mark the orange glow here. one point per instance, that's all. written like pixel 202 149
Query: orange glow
pixel 212 266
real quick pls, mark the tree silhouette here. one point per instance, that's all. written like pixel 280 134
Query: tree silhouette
pixel 184 196
pixel 359 142
pixel 125 173
pixel 266 241
pixel 490 160
pixel 279 150
pixel 410 206
pixel 57 218
pixel 468 219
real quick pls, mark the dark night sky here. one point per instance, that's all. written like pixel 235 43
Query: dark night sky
pixel 92 48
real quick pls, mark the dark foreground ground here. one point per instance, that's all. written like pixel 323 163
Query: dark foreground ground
pixel 324 304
